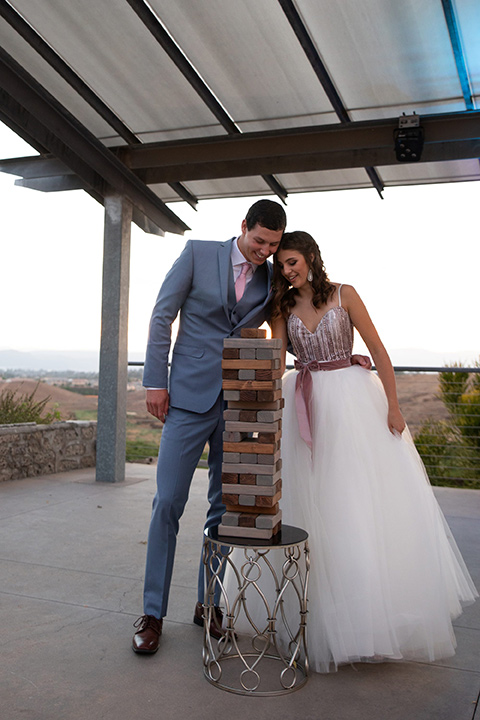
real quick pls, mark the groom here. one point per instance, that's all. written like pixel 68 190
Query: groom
pixel 218 288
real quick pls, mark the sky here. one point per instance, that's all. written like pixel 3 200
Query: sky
pixel 414 258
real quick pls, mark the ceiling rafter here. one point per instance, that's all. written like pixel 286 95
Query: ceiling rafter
pixel 307 149
pixel 321 72
pixel 18 23
pixel 24 101
pixel 458 53
pixel 162 36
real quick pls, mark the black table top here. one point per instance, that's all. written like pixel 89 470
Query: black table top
pixel 287 536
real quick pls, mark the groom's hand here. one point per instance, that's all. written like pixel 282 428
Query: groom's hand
pixel 157 403
pixel 362 360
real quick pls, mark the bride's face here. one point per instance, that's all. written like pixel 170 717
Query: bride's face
pixel 293 267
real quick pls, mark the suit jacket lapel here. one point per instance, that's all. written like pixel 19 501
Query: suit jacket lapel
pixel 225 272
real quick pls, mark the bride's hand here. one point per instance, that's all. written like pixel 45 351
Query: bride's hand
pixel 362 360
pixel 396 423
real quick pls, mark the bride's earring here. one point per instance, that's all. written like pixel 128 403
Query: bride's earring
pixel 310 275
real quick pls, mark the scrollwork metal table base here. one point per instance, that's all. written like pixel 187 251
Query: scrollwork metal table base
pixel 270 657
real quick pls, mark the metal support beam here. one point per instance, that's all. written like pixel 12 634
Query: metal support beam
pixel 459 55
pixel 24 101
pixel 453 136
pixel 189 72
pixel 112 385
pixel 321 72
pixel 326 147
pixel 75 81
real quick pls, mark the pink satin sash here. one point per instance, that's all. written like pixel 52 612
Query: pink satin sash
pixel 303 392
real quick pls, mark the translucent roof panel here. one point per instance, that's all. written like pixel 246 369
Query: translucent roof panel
pixel 249 56
pixel 385 53
pixel 253 67
pixel 113 52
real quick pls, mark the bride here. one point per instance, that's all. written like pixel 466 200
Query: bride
pixel 387 577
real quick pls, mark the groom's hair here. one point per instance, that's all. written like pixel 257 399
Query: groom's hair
pixel 268 214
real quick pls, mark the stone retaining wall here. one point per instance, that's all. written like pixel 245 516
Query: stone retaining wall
pixel 29 449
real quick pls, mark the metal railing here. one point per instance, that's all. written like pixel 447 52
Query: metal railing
pixel 441 406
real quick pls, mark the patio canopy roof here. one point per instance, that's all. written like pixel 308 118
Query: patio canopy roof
pixel 167 101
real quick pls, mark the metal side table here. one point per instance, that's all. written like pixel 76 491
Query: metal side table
pixel 262 587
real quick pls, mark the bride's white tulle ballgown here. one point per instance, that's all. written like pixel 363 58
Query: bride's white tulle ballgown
pixel 386 577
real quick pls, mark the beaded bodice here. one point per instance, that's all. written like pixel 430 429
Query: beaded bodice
pixel 331 340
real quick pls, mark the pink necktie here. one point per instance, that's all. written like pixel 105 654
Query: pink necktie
pixel 241 281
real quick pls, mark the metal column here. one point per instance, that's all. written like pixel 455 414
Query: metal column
pixel 112 396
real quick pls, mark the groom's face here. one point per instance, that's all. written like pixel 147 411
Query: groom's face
pixel 258 243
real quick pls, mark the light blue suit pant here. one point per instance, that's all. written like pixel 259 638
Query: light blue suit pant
pixel 184 437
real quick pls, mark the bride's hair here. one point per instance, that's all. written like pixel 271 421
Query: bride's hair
pixel 284 295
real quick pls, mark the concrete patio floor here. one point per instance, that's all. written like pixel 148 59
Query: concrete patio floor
pixel 72 556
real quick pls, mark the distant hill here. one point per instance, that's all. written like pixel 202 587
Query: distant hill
pixel 68 403
pixel 88 361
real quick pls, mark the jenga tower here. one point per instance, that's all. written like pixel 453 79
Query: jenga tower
pixel 251 472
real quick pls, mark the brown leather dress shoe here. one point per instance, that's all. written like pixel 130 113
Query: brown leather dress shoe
pixel 215 623
pixel 147 637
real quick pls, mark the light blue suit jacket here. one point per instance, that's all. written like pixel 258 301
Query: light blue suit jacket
pixel 200 287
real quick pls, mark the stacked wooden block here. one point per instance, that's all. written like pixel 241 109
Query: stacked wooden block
pixel 251 477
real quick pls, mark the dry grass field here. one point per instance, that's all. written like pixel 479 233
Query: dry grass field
pixel 417 393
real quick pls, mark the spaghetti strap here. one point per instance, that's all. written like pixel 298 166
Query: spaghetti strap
pixel 339 296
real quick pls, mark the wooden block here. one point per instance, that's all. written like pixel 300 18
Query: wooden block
pixel 276 405
pixel 231 353
pixel 231 394
pixel 246 374
pixel 231 518
pixel 235 457
pixel 249 458
pixel 231 501
pixel 266 437
pixel 253 489
pixel 268 374
pixel 248 364
pixel 248 520
pixel 253 333
pixel 230 375
pixel 251 445
pixel 265 521
pixel 247 416
pixel 266 353
pixel 267 395
pixel 234 437
pixel 255 468
pixel 243 343
pixel 268 415
pixel 247 395
pixel 261 459
pixel 233 415
pixel 247 533
pixel 253 503
pixel 249 500
pixel 268 428
pixel 260 510
pixel 265 385
pixel 247 479
pixel 247 353
pixel 231 478
pixel 267 500
pixel 268 479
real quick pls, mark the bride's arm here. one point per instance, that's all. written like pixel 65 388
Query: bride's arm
pixel 361 320
pixel 279 330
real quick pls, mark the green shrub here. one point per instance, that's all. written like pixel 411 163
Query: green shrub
pixel 138 450
pixel 450 449
pixel 17 408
